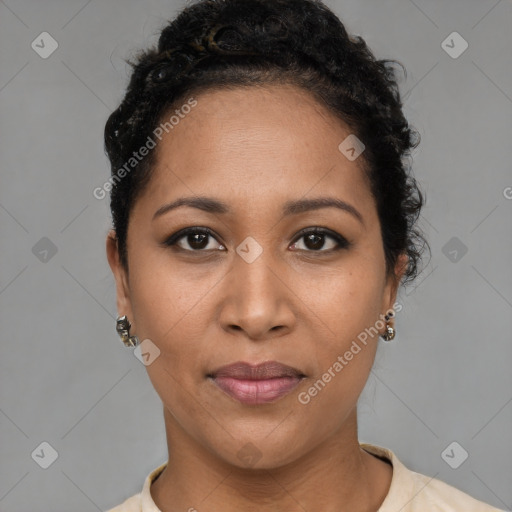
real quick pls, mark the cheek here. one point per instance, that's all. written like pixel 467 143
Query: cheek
pixel 344 355
pixel 166 294
pixel 347 300
pixel 331 397
pixel 347 313
pixel 169 303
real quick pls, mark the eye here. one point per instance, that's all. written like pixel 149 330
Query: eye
pixel 314 239
pixel 196 238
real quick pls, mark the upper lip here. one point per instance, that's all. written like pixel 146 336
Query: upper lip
pixel 266 370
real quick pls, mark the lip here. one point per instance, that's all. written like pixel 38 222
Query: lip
pixel 256 384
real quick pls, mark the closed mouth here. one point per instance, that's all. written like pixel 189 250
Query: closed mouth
pixel 256 384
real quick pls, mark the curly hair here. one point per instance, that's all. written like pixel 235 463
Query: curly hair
pixel 236 43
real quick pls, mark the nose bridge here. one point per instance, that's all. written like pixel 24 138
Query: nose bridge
pixel 257 299
pixel 255 269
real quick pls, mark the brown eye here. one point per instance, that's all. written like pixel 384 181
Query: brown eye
pixel 315 240
pixel 198 239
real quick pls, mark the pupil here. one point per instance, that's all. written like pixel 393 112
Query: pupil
pixel 196 241
pixel 316 244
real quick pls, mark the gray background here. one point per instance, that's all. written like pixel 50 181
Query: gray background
pixel 65 377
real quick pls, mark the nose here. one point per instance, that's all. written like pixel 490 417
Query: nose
pixel 257 299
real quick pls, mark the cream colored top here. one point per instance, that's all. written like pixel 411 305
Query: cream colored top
pixel 408 492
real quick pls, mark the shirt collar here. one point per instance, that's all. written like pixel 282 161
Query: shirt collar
pixel 399 494
pixel 146 500
pixel 401 491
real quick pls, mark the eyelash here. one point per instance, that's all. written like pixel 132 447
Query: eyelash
pixel 342 242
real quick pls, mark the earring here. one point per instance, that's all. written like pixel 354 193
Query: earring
pixel 389 334
pixel 123 329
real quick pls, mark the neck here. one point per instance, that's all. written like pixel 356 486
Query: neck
pixel 336 476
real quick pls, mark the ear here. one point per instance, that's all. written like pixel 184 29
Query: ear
pixel 393 283
pixel 124 306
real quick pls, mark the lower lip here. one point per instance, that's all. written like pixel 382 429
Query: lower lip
pixel 255 392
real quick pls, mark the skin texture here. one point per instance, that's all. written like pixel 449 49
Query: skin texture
pixel 255 148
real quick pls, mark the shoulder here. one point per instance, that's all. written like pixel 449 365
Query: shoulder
pixel 441 497
pixel 413 492
pixel 132 504
pixel 142 501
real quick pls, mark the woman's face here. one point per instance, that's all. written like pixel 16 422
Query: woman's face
pixel 257 289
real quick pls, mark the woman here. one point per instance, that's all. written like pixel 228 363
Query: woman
pixel 263 222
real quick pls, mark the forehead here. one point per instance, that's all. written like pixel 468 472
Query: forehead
pixel 256 144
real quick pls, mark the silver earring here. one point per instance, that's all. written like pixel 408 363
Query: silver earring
pixel 123 329
pixel 389 334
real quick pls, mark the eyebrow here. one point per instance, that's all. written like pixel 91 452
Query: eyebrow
pixel 211 205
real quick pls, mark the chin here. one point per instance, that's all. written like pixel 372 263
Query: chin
pixel 261 449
